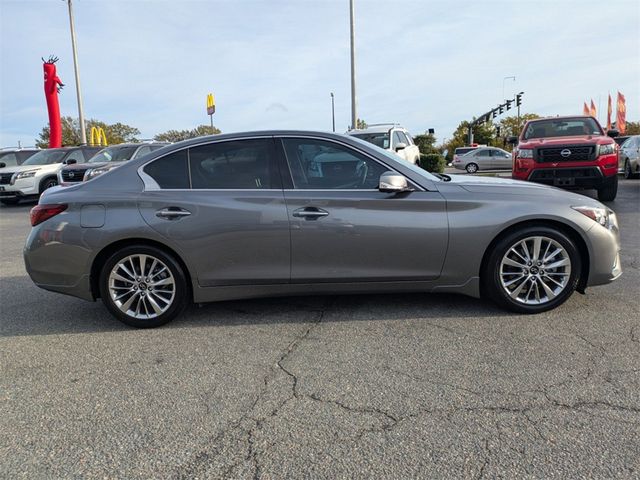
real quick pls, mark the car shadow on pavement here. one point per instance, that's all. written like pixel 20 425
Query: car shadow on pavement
pixel 38 312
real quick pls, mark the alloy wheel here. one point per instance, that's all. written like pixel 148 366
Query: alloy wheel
pixel 535 270
pixel 142 286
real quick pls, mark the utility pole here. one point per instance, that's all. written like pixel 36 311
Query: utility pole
pixel 83 131
pixel 354 114
pixel 333 113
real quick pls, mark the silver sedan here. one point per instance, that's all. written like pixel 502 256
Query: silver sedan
pixel 298 213
pixel 484 158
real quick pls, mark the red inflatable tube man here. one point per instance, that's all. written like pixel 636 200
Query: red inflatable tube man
pixel 52 85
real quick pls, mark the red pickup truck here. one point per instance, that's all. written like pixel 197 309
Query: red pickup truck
pixel 568 152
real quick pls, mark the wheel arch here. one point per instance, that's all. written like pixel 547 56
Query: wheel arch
pixel 102 256
pixel 568 230
pixel 45 179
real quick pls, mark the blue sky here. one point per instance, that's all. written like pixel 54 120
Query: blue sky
pixel 273 63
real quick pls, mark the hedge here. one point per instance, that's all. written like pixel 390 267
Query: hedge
pixel 432 162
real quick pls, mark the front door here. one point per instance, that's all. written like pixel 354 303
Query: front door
pixel 222 204
pixel 343 229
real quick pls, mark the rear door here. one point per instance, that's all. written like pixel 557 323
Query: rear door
pixel 221 203
pixel 343 229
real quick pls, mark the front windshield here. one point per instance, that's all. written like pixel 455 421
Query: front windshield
pixel 562 127
pixel 380 139
pixel 46 157
pixel 113 154
pixel 395 158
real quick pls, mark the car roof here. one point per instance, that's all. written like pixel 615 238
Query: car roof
pixel 376 129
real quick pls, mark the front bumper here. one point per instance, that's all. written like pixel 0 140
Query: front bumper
pixel 604 255
pixel 577 177
pixel 21 188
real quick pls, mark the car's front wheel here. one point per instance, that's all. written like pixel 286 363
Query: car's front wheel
pixel 628 173
pixel 143 286
pixel 532 270
pixel 48 183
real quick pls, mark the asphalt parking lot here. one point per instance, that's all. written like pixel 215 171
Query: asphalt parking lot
pixel 384 386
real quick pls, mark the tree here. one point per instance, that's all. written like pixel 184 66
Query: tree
pixel 361 124
pixel 179 135
pixel 426 143
pixel 633 128
pixel 115 133
pixel 511 126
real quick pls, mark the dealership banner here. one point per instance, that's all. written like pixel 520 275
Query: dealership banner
pixel 621 117
pixel 609 112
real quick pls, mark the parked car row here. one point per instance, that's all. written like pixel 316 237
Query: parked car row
pixel 44 169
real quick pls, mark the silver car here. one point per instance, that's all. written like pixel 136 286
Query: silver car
pixel 483 158
pixel 298 213
pixel 629 157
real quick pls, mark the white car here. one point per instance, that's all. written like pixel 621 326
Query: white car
pixel 39 172
pixel 391 137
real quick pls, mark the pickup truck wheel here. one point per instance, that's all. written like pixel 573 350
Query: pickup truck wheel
pixel 532 270
pixel 471 168
pixel 609 191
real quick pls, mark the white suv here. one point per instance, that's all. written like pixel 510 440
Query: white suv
pixel 39 172
pixel 391 137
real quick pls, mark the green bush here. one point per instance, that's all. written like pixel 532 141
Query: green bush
pixel 432 162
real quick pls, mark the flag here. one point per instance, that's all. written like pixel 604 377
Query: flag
pixel 593 112
pixel 609 112
pixel 621 117
pixel 585 109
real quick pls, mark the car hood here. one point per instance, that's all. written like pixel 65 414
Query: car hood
pixel 24 168
pixel 85 166
pixel 509 186
pixel 561 141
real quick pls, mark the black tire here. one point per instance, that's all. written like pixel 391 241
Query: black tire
pixel 628 174
pixel 609 192
pixel 491 279
pixel 10 201
pixel 48 183
pixel 471 167
pixel 181 290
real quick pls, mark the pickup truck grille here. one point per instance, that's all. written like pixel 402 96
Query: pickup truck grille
pixel 5 178
pixel 72 175
pixel 577 153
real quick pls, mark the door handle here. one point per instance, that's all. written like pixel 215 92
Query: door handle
pixel 172 213
pixel 310 213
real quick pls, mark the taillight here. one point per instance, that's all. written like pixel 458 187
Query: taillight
pixel 40 213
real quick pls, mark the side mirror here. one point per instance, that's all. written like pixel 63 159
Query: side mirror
pixel 392 182
pixel 400 146
pixel 512 140
pixel 71 161
pixel 2 164
pixel 613 133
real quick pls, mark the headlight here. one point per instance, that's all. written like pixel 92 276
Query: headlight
pixel 607 149
pixel 525 153
pixel 95 172
pixel 19 175
pixel 602 215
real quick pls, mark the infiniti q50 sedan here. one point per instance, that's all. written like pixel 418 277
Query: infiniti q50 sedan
pixel 289 212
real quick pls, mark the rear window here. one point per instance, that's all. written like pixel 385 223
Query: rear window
pixel 462 151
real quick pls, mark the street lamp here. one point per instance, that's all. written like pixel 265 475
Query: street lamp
pixel 83 132
pixel 333 113
pixel 503 80
pixel 354 114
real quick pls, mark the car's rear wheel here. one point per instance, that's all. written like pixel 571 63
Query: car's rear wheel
pixel 143 286
pixel 609 192
pixel 471 168
pixel 532 270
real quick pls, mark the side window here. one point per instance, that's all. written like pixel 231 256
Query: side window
pixel 484 153
pixel 242 164
pixel 170 171
pixel 75 155
pixel 319 164
pixel 141 151
pixel 10 159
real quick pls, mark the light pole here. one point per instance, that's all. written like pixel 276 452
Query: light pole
pixel 354 114
pixel 503 80
pixel 83 131
pixel 333 113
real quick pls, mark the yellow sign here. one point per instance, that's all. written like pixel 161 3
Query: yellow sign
pixel 211 104
pixel 98 137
